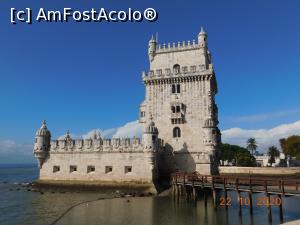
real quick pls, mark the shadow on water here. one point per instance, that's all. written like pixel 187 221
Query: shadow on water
pixel 167 211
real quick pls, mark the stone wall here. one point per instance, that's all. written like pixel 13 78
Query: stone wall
pixel 94 166
pixel 259 170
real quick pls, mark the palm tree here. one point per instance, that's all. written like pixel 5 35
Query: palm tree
pixel 251 145
pixel 273 152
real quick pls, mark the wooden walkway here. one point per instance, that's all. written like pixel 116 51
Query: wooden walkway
pixel 190 184
pixel 271 185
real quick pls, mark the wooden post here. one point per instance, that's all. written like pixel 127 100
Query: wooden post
pixel 269 208
pixel 250 195
pixel 173 191
pixel 238 195
pixel 205 197
pixel 195 195
pixel 215 198
pixel 178 192
pixel 280 209
pixel 250 201
pixel 239 202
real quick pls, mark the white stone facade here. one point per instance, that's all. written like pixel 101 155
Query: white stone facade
pixel 180 90
pixel 179 118
pixel 96 159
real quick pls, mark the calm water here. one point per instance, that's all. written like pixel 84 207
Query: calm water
pixel 19 206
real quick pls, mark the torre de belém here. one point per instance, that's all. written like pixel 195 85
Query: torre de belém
pixel 179 120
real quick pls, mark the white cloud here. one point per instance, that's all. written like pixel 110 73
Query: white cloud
pixel 263 117
pixel 108 133
pixel 10 146
pixel 130 129
pixel 264 137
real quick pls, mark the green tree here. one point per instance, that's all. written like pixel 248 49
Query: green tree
pixel 291 146
pixel 251 145
pixel 273 152
pixel 238 155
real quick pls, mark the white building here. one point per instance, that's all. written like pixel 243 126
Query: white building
pixel 263 160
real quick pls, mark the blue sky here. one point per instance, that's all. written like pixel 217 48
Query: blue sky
pixel 82 76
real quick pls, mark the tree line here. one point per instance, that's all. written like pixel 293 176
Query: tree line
pixel 241 156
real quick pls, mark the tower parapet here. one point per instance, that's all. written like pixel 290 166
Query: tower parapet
pixel 97 145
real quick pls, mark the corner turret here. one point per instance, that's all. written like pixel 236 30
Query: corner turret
pixel 42 144
pixel 202 38
pixel 150 136
pixel 152 48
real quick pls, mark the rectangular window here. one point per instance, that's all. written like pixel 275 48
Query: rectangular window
pixel 175 88
pixel 108 169
pixel 128 169
pixel 90 169
pixel 193 69
pixel 73 169
pixel 178 88
pixel 167 71
pixel 159 72
pixel 56 169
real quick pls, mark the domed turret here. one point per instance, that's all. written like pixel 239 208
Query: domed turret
pixel 42 144
pixel 152 48
pixel 150 136
pixel 202 38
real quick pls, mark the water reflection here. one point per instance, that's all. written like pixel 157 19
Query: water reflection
pixel 167 211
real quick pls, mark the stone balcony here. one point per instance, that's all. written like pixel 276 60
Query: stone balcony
pixel 158 74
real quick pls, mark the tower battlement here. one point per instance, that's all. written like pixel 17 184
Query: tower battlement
pixel 177 46
pixel 187 71
pixel 97 145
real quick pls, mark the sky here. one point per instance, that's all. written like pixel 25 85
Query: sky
pixel 85 76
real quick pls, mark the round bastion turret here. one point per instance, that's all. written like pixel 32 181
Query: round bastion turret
pixel 42 144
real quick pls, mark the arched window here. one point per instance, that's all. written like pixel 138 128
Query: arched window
pixel 176 69
pixel 176 132
pixel 177 108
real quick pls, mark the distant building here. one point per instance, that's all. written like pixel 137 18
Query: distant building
pixel 179 119
pixel 263 160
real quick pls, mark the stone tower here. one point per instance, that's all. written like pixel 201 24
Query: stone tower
pixel 42 144
pixel 180 89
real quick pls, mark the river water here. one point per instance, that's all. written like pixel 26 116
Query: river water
pixel 20 206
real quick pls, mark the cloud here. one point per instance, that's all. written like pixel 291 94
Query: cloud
pixel 108 133
pixel 10 147
pixel 264 137
pixel 130 129
pixel 263 117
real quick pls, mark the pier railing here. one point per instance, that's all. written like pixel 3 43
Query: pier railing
pixel 272 185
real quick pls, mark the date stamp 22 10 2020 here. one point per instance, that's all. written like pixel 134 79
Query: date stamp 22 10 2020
pixel 245 201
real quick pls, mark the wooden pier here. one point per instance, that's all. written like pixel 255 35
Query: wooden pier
pixel 191 184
